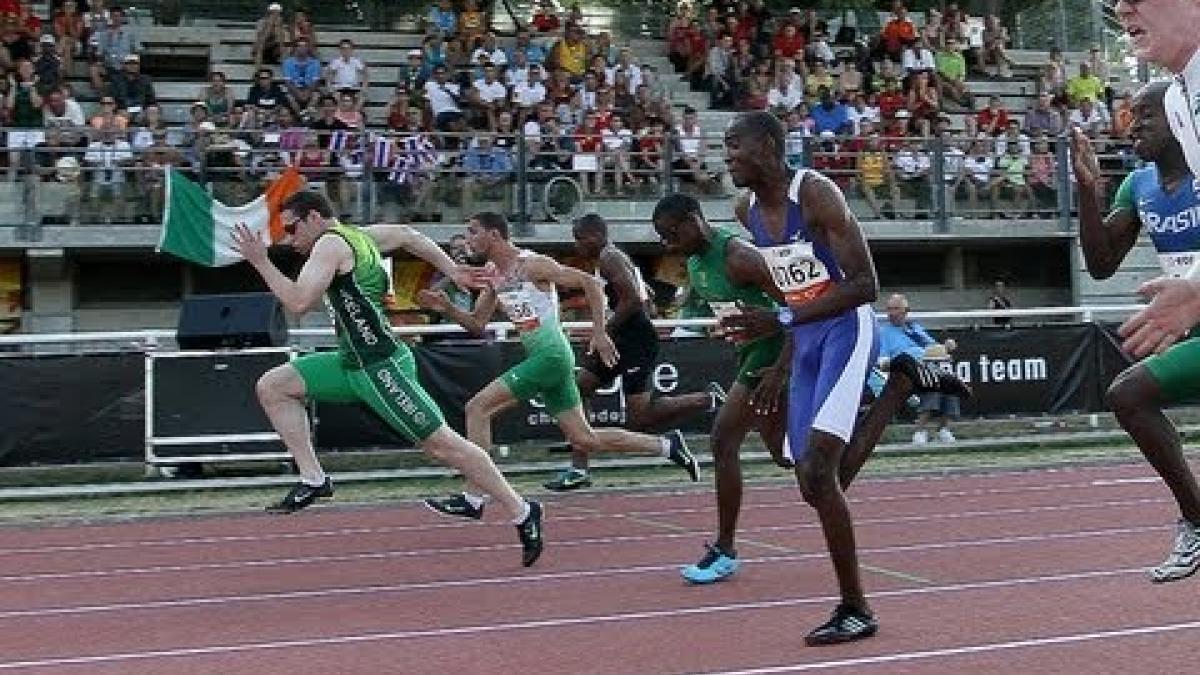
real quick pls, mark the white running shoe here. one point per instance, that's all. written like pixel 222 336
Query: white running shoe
pixel 1184 559
pixel 945 436
pixel 920 437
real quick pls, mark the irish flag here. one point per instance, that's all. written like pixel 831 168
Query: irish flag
pixel 200 229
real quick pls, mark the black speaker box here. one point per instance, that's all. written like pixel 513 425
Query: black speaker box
pixel 231 321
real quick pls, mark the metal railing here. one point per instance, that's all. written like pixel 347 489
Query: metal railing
pixel 548 178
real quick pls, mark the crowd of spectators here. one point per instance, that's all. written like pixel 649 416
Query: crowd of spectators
pixel 874 111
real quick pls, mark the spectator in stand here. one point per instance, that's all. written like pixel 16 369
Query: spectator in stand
pixel 489 51
pixel 1099 67
pixel 625 64
pixel 1091 117
pixel 718 74
pixel 488 169
pixel 755 98
pixel 953 168
pixel 132 88
pixel 1123 116
pixel 1012 170
pixel 850 80
pixel 266 92
pixel 443 97
pixel 113 44
pixel 1085 85
pixel 831 115
pixel 917 57
pixel 545 19
pixel 876 181
pixel 216 98
pixel 1043 176
pixel 978 166
pixel 586 160
pixel 303 29
pixel 788 42
pixel 897 33
pixel 529 94
pixel 999 300
pixel 952 75
pixel 689 157
pixel 954 24
pixel 347 72
pixel 819 78
pixel 571 53
pixel 995 47
pixel 535 54
pixel 396 115
pixel 617 143
pixel 819 51
pixel 433 54
pixel 788 91
pixel 70 29
pixel 442 20
pixel 493 95
pixel 913 168
pixel 898 335
pixel 932 33
pixel 108 116
pixel 107 158
pixel 270 37
pixel 1012 136
pixel 923 101
pixel 1043 118
pixel 603 47
pixel 302 74
pixel 23 108
pixel 649 160
pixel 48 66
pixel 349 111
pixel 21 33
pixel 891 99
pixel 58 110
pixel 993 119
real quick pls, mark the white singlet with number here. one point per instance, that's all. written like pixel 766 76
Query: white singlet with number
pixel 519 305
pixel 798 272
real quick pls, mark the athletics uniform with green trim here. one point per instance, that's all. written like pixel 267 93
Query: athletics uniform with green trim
pixel 1172 221
pixel 711 284
pixel 370 366
pixel 548 371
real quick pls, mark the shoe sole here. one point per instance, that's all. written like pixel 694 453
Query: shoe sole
pixel 566 488
pixel 449 515
pixel 718 579
pixel 1167 580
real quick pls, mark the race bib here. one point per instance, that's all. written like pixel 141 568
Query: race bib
pixel 797 271
pixel 519 308
pixel 1177 265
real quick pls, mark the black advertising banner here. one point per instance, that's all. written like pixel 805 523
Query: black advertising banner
pixel 71 408
pixel 1049 369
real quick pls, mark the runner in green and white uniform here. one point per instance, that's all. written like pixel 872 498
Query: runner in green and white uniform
pixel 370 366
pixel 1163 198
pixel 524 285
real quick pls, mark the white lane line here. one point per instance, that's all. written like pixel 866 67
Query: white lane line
pixel 898 657
pixel 490 628
pixel 530 578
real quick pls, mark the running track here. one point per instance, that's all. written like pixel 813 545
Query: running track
pixel 1015 572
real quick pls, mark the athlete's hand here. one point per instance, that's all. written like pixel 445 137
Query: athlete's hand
pixel 1083 159
pixel 437 301
pixel 602 345
pixel 1174 308
pixel 767 397
pixel 249 244
pixel 467 277
pixel 750 323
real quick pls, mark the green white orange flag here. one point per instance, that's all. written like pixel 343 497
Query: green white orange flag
pixel 198 228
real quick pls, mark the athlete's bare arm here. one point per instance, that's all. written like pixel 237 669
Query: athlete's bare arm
pixel 741 208
pixel 328 255
pixel 1105 240
pixel 402 237
pixel 830 219
pixel 617 271
pixel 745 266
pixel 475 322
pixel 539 268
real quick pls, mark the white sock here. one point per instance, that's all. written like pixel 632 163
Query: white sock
pixel 473 500
pixel 524 514
pixel 665 443
pixel 314 481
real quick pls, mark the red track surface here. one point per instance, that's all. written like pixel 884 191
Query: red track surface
pixel 1030 572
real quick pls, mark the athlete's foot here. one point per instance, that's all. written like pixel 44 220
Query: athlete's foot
pixel 1184 559
pixel 456 505
pixel 301 496
pixel 846 625
pixel 716 565
pixel 530 533
pixel 681 455
pixel 569 479
pixel 927 378
pixel 717 396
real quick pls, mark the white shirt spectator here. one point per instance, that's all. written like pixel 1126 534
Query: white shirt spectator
pixel 533 131
pixel 633 75
pixel 1021 140
pixel 528 95
pixel 690 141
pixel 787 98
pixel 979 168
pixel 916 59
pixel 912 164
pixel 442 97
pixel 953 161
pixel 820 51
pixel 106 160
pixel 588 98
pixel 347 73
pixel 493 92
pixel 616 140
pixel 72 115
pixel 1094 123
pixel 496 56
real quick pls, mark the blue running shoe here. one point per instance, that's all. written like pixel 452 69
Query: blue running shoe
pixel 716 565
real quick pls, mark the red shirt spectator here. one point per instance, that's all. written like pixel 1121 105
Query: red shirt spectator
pixel 545 20
pixel 788 42
pixel 891 101
pixel 993 119
pixel 898 32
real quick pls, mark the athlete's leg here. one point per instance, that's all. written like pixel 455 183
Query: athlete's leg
pixel 1136 398
pixel 587 382
pixel 282 394
pixel 583 437
pixel 870 427
pixel 728 433
pixel 649 413
pixel 817 475
pixel 476 466
pixel 490 401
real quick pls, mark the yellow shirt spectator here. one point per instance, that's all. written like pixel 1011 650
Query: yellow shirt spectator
pixel 571 57
pixel 1085 86
pixel 870 168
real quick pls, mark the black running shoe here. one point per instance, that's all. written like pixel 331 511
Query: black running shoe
pixel 301 496
pixel 530 532
pixel 569 479
pixel 455 505
pixel 927 378
pixel 846 625
pixel 681 456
